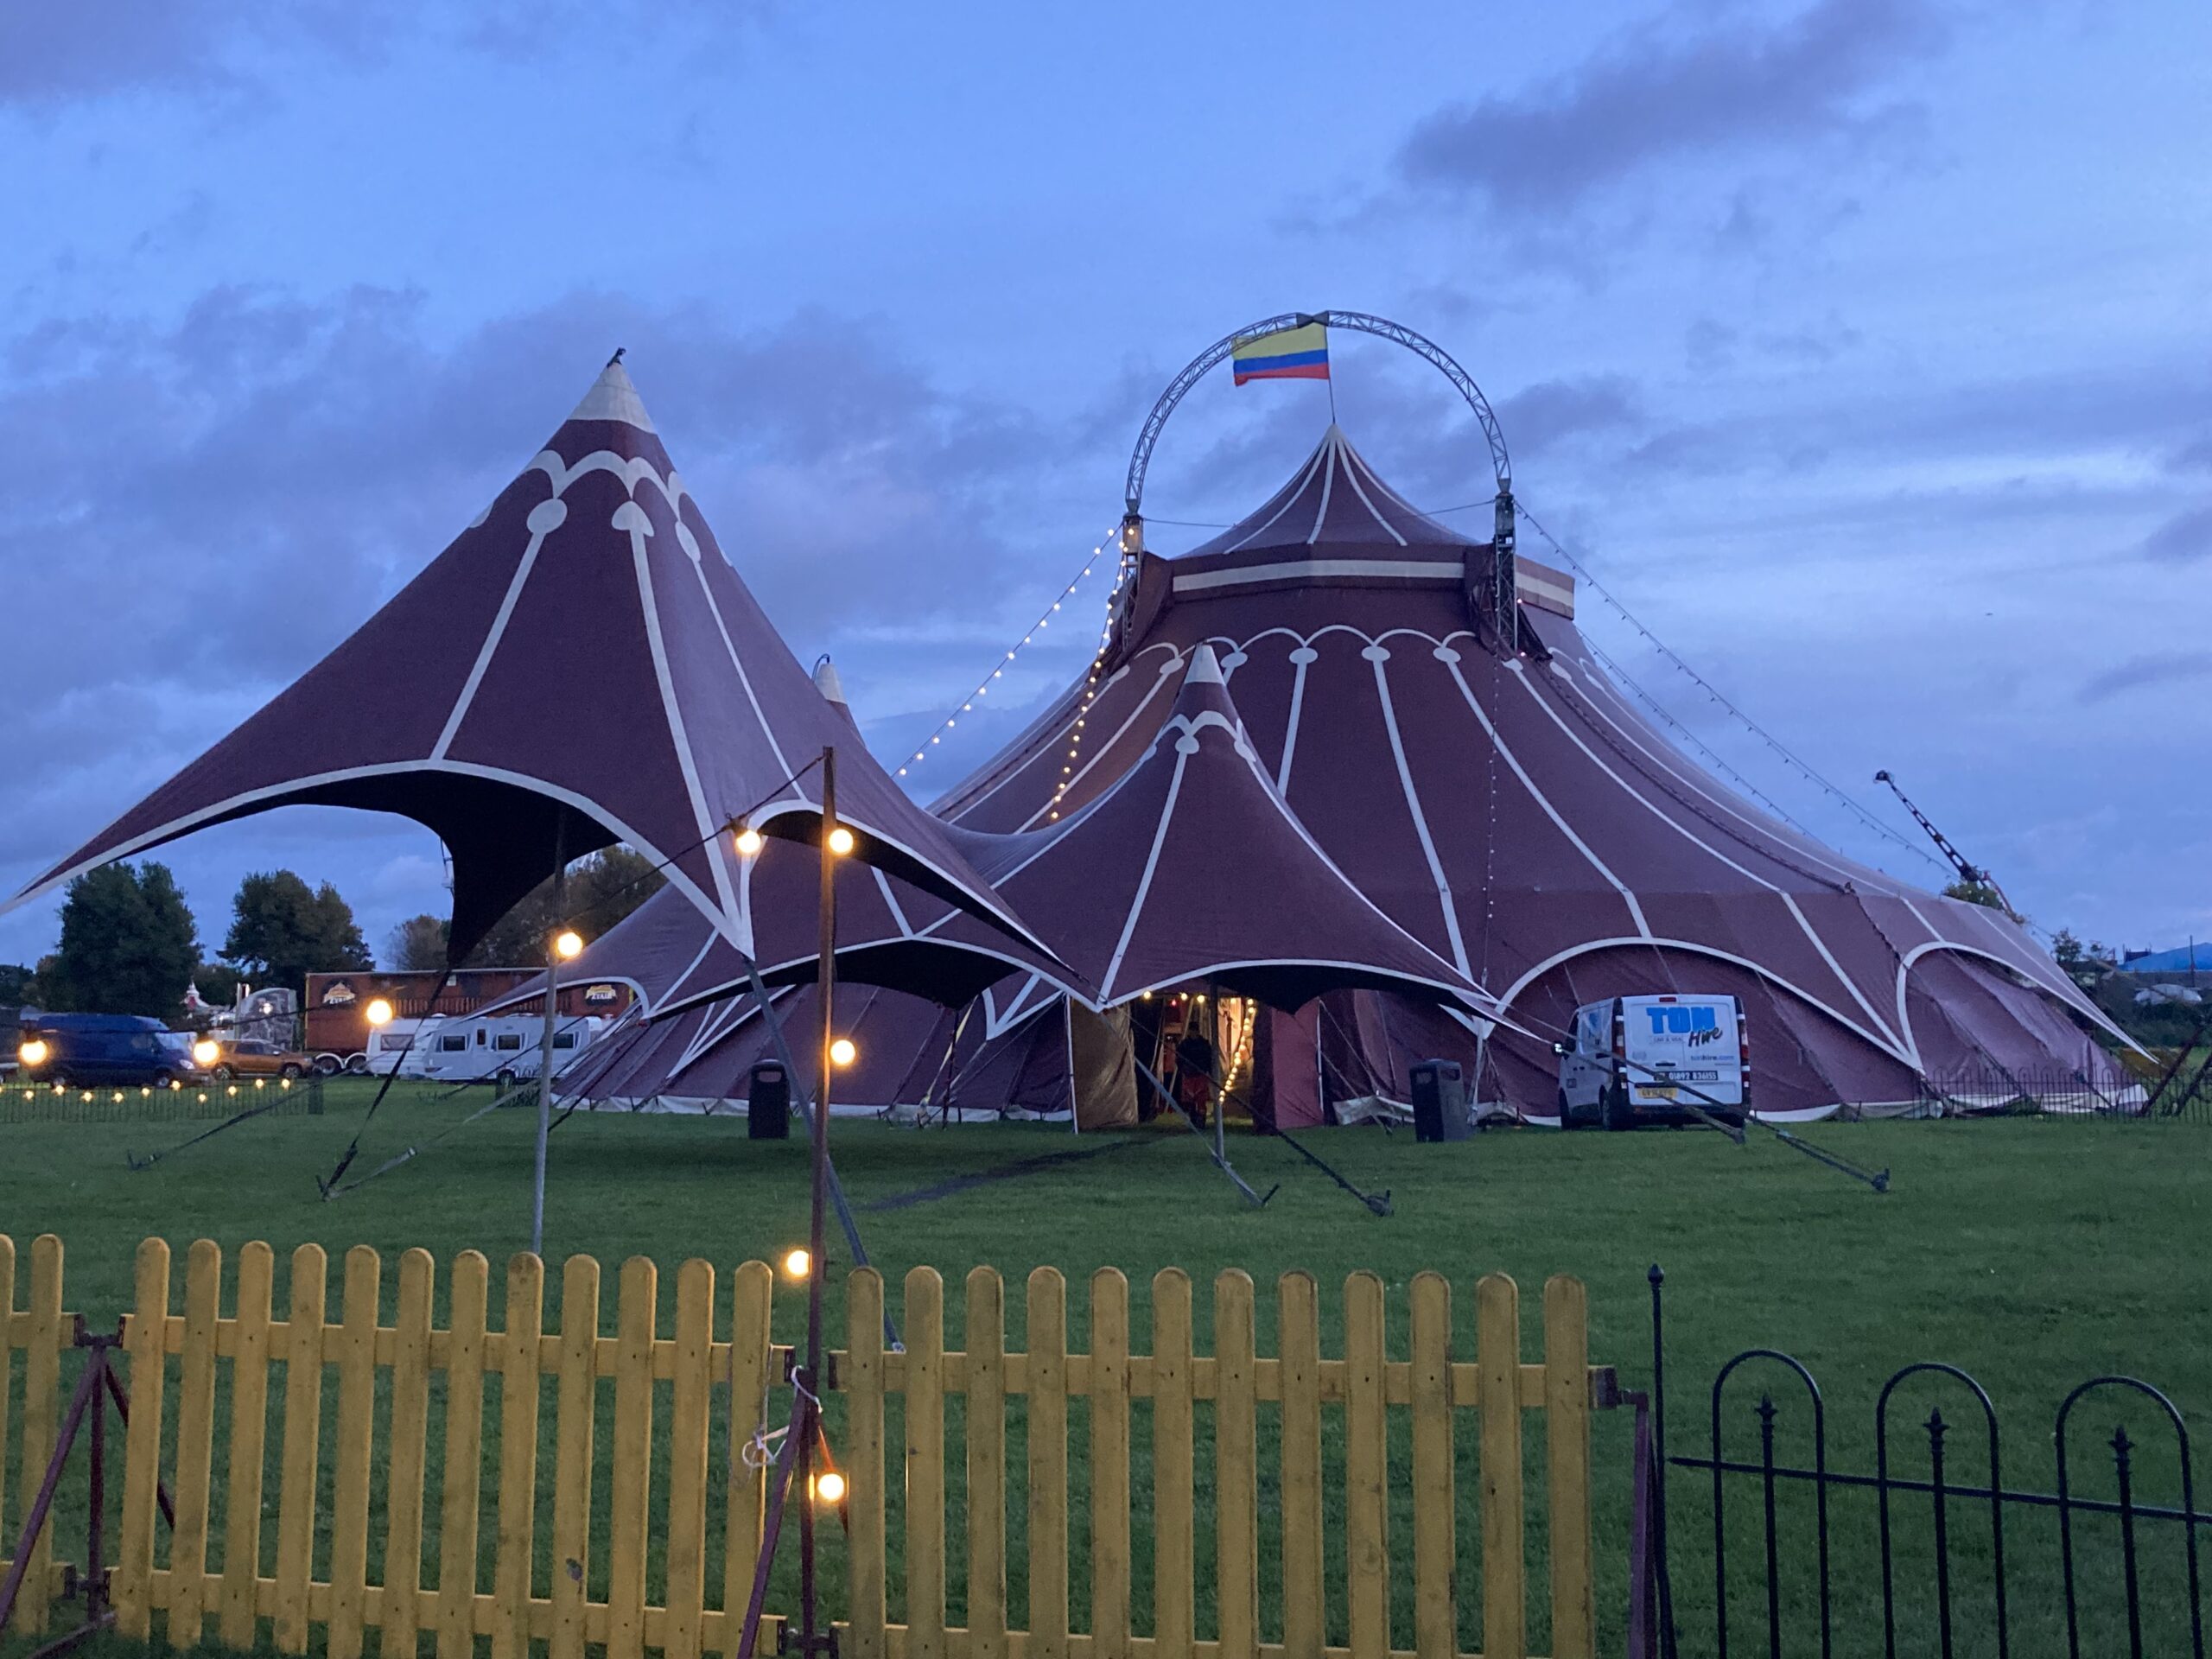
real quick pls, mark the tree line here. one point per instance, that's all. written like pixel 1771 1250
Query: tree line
pixel 131 944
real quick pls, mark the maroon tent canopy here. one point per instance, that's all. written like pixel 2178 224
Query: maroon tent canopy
pixel 1191 868
pixel 1516 812
pixel 581 666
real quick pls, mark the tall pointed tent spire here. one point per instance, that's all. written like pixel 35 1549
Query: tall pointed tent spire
pixel 580 666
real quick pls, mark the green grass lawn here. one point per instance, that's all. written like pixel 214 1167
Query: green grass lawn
pixel 2033 1253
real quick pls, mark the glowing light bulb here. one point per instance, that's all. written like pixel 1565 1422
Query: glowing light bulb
pixel 208 1052
pixel 749 842
pixel 830 1487
pixel 568 944
pixel 840 841
pixel 34 1052
pixel 379 1012
pixel 798 1264
pixel 841 1051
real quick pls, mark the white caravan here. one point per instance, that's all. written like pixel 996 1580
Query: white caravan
pixel 501 1048
pixel 1647 1059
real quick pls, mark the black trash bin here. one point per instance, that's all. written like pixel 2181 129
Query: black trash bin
pixel 1439 1091
pixel 768 1102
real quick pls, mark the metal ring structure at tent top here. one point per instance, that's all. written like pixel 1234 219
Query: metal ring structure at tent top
pixel 1503 596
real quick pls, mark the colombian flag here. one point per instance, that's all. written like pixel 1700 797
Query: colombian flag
pixel 1300 353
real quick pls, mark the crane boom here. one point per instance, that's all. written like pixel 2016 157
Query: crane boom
pixel 1971 874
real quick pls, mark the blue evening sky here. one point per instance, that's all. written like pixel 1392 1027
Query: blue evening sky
pixel 1859 348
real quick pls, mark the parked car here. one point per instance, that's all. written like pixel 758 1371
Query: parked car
pixel 249 1057
pixel 92 1049
pixel 1649 1060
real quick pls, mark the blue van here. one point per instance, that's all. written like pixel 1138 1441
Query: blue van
pixel 93 1049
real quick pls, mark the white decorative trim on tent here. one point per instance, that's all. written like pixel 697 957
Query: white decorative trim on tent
pixel 1788 901
pixel 612 397
pixel 632 517
pixel 545 518
pixel 1378 655
pixel 1306 569
pixel 1332 443
pixel 1543 802
pixel 1298 489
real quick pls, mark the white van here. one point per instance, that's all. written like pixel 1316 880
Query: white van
pixel 1645 1059
pixel 497 1048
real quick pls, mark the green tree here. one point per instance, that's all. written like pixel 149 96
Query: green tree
pixel 282 931
pixel 419 944
pixel 19 986
pixel 1975 892
pixel 599 891
pixel 129 944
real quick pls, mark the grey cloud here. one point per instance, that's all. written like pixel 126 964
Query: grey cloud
pixel 2183 539
pixel 1651 95
pixel 52 55
pixel 2194 456
pixel 2149 673
pixel 1552 412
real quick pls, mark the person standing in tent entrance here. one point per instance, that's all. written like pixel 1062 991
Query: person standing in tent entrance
pixel 1194 1074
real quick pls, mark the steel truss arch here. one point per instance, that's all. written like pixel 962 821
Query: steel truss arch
pixel 1501 595
pixel 1357 321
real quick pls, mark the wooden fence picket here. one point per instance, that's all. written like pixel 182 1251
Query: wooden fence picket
pixel 1174 1471
pixel 195 1440
pixel 1298 1337
pixel 1236 1488
pixel 146 1346
pixel 410 1422
pixel 295 1511
pixel 1436 1613
pixel 576 1409
pixel 630 1503
pixel 353 1450
pixel 686 1597
pixel 925 1464
pixel 249 1423
pixel 863 1465
pixel 667 1601
pixel 523 1321
pixel 753 1288
pixel 1048 1463
pixel 1367 1462
pixel 986 1436
pixel 1497 1361
pixel 1110 1464
pixel 45 1335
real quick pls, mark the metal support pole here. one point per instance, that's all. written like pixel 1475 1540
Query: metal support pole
pixel 1504 579
pixel 807 1423
pixel 545 1050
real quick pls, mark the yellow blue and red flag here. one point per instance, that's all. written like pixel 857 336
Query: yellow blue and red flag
pixel 1299 353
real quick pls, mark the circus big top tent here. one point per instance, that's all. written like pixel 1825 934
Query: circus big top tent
pixel 1495 796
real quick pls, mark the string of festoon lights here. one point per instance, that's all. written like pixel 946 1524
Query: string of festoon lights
pixel 1091 686
pixel 1044 622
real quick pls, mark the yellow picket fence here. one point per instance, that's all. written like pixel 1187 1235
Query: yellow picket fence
pixel 541 1482
pixel 1235 1383
pixel 40 1331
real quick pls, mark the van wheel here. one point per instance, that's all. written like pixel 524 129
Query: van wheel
pixel 162 1078
pixel 224 1074
pixel 288 1072
pixel 1566 1113
pixel 1618 1116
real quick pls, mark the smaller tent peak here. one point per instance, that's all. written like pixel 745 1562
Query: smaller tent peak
pixel 826 680
pixel 1205 668
pixel 614 396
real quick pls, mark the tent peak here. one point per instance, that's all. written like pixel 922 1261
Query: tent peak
pixel 614 398
pixel 827 682
pixel 1204 669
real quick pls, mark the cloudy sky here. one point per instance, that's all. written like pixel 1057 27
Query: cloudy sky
pixel 1857 349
